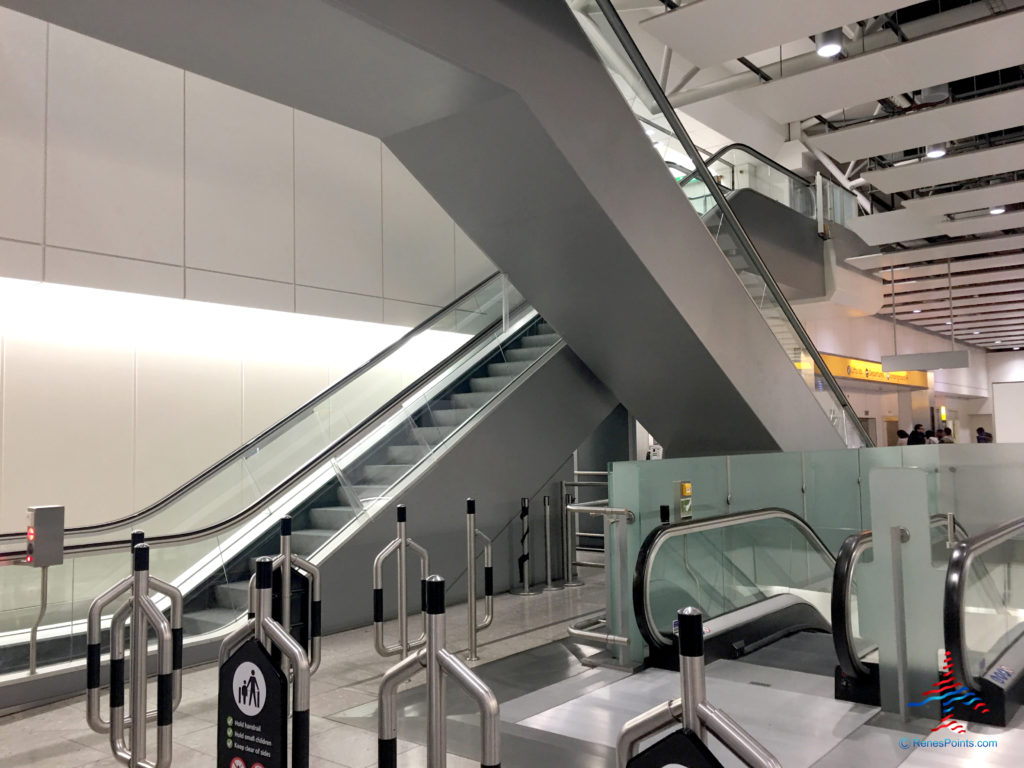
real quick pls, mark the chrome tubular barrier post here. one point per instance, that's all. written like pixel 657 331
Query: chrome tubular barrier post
pixel 438 663
pixel 400 544
pixel 551 586
pixel 692 710
pixel 471 535
pixel 596 629
pixel 118 721
pixel 572 578
pixel 285 561
pixel 524 587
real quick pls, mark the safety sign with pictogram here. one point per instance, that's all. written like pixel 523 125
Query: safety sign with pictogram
pixel 252 710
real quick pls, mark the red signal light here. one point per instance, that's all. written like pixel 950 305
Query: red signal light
pixel 28 559
pixel 31 533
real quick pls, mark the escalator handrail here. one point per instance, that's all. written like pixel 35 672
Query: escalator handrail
pixel 850 552
pixel 756 155
pixel 285 486
pixel 745 243
pixel 256 441
pixel 641 606
pixel 953 608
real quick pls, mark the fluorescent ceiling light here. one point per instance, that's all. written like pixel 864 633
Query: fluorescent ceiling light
pixel 995 210
pixel 935 151
pixel 916 311
pixel 976 333
pixel 829 43
pixel 1016 348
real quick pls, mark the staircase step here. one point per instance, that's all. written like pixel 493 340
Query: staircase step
pixel 234 596
pixel 507 369
pixel 434 435
pixel 383 474
pixel 407 454
pixel 308 540
pixel 450 417
pixel 471 399
pixel 524 354
pixel 489 383
pixel 208 620
pixel 332 518
pixel 538 340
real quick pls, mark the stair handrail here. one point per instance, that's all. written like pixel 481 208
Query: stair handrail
pixel 255 442
pixel 282 488
pixel 717 156
pixel 745 243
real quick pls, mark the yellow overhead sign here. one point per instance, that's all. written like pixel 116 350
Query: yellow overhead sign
pixel 865 370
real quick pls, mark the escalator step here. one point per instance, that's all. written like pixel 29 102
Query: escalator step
pixel 333 518
pixel 308 540
pixel 234 595
pixel 489 383
pixel 470 400
pixel 407 454
pixel 507 369
pixel 523 354
pixel 545 328
pixel 434 435
pixel 375 474
pixel 544 340
pixel 450 417
pixel 200 622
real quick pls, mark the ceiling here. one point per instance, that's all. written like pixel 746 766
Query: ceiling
pixel 947 72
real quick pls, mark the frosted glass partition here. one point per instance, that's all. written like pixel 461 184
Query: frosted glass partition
pixel 983 485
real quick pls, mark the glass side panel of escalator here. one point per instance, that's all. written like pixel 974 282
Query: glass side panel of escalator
pixel 350 482
pixel 729 567
pixel 993 604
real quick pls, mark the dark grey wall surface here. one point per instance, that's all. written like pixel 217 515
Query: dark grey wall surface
pixel 504 113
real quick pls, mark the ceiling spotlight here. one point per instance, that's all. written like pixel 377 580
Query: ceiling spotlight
pixel 829 43
pixel 916 311
pixel 995 210
pixel 976 333
pixel 949 322
pixel 1016 349
pixel 935 151
pixel 999 341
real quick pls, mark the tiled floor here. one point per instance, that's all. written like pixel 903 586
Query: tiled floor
pixel 56 736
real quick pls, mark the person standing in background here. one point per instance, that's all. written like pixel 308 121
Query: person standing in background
pixel 916 436
pixel 983 436
pixel 947 436
pixel 901 437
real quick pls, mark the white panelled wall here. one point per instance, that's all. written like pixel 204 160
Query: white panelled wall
pixel 122 173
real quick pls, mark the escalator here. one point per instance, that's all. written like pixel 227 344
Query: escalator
pixel 398 426
pixel 772 594
pixel 983 626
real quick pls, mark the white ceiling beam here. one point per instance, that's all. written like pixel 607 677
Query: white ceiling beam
pixel 968 199
pixel 964 265
pixel 982 224
pixel 927 126
pixel 982 278
pixel 905 224
pixel 928 173
pixel 965 292
pixel 977 324
pixel 929 253
pixel 967 314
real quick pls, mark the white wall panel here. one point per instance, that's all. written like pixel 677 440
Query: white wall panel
pixel 243 291
pixel 349 306
pixel 22 119
pixel 23 261
pixel 419 240
pixel 113 273
pixel 471 264
pixel 337 207
pixel 1008 411
pixel 68 424
pixel 189 415
pixel 115 148
pixel 405 313
pixel 238 182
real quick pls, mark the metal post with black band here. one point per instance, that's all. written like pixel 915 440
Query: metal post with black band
pixel 550 585
pixel 439 663
pixel 523 563
pixel 471 536
pixel 398 546
pixel 144 614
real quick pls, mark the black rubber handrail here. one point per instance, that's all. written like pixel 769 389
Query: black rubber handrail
pixel 957 573
pixel 753 153
pixel 285 485
pixel 650 633
pixel 266 434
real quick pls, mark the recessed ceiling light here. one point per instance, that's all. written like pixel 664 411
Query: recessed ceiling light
pixel 976 333
pixel 995 210
pixel 999 341
pixel 829 43
pixel 916 311
pixel 949 322
pixel 1016 348
pixel 935 151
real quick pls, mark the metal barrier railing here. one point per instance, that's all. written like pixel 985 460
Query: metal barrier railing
pixel 284 563
pixel 692 710
pixel 438 662
pixel 524 588
pixel 471 535
pixel 144 615
pixel 400 544
pixel 269 634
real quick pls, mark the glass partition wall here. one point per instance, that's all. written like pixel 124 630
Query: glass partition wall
pixel 631 74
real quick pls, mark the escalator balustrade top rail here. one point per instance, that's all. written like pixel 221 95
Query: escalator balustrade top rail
pixel 667 531
pixel 292 480
pixel 953 604
pixel 761 158
pixel 850 552
pixel 636 58
pixel 263 437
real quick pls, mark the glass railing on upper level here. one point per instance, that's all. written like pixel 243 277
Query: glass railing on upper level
pixel 640 88
pixel 983 608
pixel 331 490
pixel 723 564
